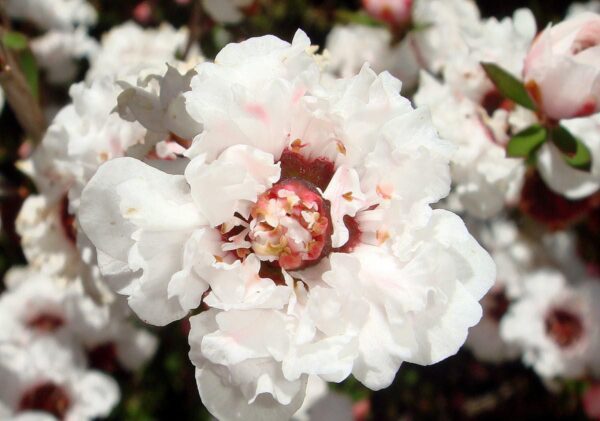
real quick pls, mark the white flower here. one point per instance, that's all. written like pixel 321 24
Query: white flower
pixel 53 14
pixel 504 43
pixel 564 179
pixel 45 381
pixel 38 305
pixel 578 8
pixel 303 221
pixel 350 47
pixel 226 11
pixel 485 179
pixel 556 325
pixel 445 23
pixel 468 110
pixel 128 49
pixel 563 251
pixel 83 135
pixel 57 52
pixel 48 237
pixel 515 258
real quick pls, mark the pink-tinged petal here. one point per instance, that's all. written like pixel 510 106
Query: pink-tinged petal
pixel 562 69
pixel 346 199
pixel 232 182
pixel 394 12
pixel 569 89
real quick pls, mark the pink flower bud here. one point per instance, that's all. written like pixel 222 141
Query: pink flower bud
pixel 562 69
pixel 143 12
pixel 361 410
pixel 591 402
pixel 394 12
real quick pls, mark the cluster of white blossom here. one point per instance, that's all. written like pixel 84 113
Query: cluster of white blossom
pixel 501 92
pixel 306 217
pixel 64 332
pixel 505 93
pixel 58 349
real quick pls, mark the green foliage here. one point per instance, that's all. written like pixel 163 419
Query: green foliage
pixel 19 44
pixel 509 86
pixel 573 150
pixel 355 17
pixel 14 41
pixel 525 143
pixel 30 71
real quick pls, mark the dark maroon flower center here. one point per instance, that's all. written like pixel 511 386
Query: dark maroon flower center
pixel 551 209
pixel 493 100
pixel 290 225
pixel 317 172
pixel 46 322
pixel 564 327
pixel 67 221
pixel 496 304
pixel 104 357
pixel 46 397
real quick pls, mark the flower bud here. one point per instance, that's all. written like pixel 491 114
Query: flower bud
pixel 395 12
pixel 562 69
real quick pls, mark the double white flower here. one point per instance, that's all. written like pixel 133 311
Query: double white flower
pixel 303 222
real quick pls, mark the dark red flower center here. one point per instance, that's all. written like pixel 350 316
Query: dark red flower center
pixel 46 322
pixel 67 221
pixel 493 100
pixel 290 225
pixel 564 327
pixel 46 397
pixel 496 304
pixel 551 209
pixel 104 357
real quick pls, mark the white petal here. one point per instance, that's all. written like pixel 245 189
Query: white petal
pixel 231 183
pixel 346 198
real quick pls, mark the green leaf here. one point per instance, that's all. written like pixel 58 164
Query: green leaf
pixel 509 86
pixel 524 143
pixel 421 26
pixel 359 18
pixel 14 41
pixel 573 150
pixel 30 71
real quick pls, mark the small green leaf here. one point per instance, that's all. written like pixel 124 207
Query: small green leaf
pixel 509 86
pixel 524 143
pixel 30 71
pixel 359 18
pixel 574 151
pixel 14 41
pixel 421 26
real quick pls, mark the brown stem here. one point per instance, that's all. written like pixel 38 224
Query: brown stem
pixel 194 27
pixel 18 94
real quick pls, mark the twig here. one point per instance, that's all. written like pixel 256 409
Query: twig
pixel 194 27
pixel 19 96
pixel 4 19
